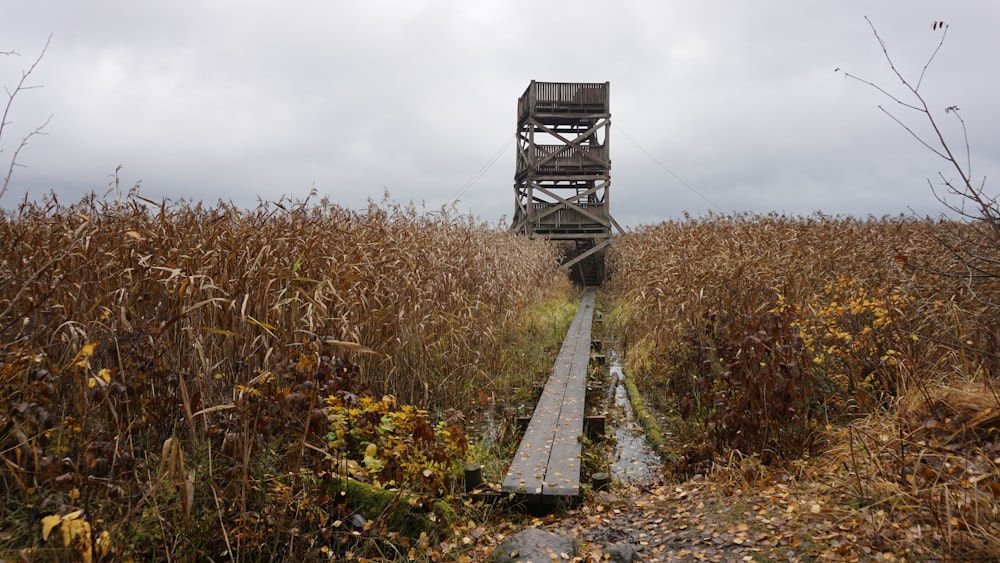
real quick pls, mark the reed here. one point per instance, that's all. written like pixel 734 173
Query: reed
pixel 197 365
pixel 867 343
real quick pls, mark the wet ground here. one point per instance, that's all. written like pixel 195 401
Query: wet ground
pixel 634 461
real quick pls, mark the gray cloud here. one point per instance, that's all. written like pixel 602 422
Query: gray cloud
pixel 237 100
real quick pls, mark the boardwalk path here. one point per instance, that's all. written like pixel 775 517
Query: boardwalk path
pixel 547 462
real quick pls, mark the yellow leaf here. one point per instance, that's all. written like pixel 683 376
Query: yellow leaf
pixel 87 351
pixel 105 375
pixel 73 529
pixel 48 523
pixel 103 543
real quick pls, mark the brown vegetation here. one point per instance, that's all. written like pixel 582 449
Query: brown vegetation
pixel 189 382
pixel 182 381
pixel 765 339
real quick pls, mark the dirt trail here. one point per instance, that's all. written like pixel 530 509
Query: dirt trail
pixel 776 519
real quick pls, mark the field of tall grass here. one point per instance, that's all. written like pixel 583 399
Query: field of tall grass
pixel 183 381
pixel 868 344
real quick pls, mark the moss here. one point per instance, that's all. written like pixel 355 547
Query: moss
pixel 654 435
pixel 401 512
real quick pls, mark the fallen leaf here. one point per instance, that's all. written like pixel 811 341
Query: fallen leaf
pixel 48 523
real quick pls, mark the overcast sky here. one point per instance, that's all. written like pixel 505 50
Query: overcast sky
pixel 716 106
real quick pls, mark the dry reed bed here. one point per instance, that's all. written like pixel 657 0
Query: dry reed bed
pixel 171 375
pixel 432 297
pixel 773 337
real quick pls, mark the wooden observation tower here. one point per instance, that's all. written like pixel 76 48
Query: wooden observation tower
pixel 563 175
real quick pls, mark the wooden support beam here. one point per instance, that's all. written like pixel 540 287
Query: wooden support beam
pixel 562 190
pixel 579 209
pixel 597 248
pixel 570 143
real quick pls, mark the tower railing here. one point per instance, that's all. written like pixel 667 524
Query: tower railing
pixel 564 97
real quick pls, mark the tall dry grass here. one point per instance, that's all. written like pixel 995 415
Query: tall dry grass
pixel 862 341
pixel 427 297
pixel 178 379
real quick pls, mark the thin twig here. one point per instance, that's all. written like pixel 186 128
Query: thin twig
pixel 21 86
pixel 981 207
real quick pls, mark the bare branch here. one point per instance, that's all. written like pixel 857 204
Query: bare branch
pixel 881 90
pixel 965 135
pixel 13 159
pixel 4 121
pixel 888 58
pixel 934 54
pixel 974 240
pixel 941 146
pixel 913 134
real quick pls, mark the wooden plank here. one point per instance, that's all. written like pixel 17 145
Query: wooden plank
pixel 547 461
pixel 527 472
pixel 562 476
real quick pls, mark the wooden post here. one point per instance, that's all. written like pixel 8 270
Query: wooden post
pixel 600 481
pixel 473 476
pixel 595 425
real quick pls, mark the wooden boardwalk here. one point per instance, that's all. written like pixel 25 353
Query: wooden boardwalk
pixel 547 463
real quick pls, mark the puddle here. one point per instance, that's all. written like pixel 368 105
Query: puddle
pixel 634 460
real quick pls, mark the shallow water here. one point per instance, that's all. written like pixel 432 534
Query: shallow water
pixel 634 460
